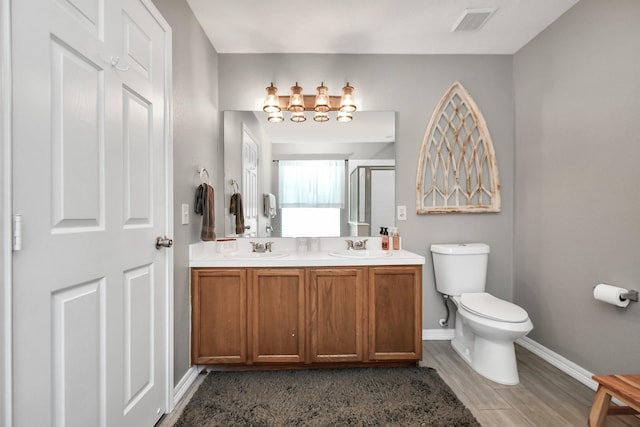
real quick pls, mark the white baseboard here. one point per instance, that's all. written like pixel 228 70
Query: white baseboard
pixel 576 372
pixel 185 382
pixel 437 334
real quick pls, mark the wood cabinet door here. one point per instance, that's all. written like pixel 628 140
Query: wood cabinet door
pixel 395 313
pixel 276 315
pixel 336 314
pixel 218 318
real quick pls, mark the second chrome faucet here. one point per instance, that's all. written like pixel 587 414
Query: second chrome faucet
pixel 357 245
pixel 261 247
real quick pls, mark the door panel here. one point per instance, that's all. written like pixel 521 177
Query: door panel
pixel 88 13
pixel 139 324
pixel 137 46
pixel 78 330
pixel 77 143
pixel 138 159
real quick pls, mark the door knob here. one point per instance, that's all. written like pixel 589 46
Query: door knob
pixel 163 242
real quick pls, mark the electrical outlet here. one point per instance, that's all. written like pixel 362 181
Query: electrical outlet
pixel 402 213
pixel 185 213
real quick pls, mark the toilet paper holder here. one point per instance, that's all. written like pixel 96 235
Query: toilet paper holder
pixel 631 295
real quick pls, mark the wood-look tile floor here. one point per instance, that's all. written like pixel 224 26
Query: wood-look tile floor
pixel 545 397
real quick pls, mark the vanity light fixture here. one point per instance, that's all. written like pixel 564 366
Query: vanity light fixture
pixel 344 116
pixel 322 99
pixel 276 117
pixel 321 117
pixel 297 103
pixel 298 116
pixel 296 100
pixel 347 103
pixel 271 101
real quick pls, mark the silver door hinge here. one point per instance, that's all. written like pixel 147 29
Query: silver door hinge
pixel 17 232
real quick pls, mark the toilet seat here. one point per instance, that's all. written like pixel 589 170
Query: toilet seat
pixel 490 307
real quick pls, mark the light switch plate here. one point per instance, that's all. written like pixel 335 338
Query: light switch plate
pixel 402 213
pixel 185 213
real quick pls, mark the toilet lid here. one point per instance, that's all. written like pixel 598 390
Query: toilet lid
pixel 486 305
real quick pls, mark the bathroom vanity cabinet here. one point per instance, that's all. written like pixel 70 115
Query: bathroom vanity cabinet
pixel 336 314
pixel 395 313
pixel 218 316
pixel 276 320
pixel 290 316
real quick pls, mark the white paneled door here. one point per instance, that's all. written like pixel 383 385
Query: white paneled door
pixel 91 180
pixel 250 160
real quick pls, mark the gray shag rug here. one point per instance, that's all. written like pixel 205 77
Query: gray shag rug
pixel 332 397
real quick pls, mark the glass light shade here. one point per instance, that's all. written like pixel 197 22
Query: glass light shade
pixel 298 117
pixel 322 99
pixel 276 117
pixel 271 100
pixel 344 117
pixel 347 102
pixel 296 100
pixel 321 116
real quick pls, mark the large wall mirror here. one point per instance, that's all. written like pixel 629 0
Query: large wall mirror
pixel 308 179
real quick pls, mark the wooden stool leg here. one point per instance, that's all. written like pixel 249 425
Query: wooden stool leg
pixel 599 408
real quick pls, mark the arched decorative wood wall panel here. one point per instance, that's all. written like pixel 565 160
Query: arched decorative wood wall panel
pixel 457 169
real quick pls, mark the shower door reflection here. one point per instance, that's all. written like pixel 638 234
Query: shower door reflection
pixel 371 199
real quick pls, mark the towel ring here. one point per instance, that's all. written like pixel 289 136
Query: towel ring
pixel 204 171
pixel 234 184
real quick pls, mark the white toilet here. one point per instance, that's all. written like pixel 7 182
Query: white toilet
pixel 486 326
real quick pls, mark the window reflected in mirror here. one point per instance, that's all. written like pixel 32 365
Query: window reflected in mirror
pixel 311 195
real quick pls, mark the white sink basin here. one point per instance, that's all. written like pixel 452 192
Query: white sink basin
pixel 255 255
pixel 368 254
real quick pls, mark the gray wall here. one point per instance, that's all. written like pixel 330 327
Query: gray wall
pixel 411 85
pixel 576 214
pixel 195 144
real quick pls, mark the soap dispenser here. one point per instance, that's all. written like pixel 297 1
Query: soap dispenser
pixel 385 239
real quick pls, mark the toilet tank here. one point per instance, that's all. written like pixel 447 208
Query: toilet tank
pixel 460 268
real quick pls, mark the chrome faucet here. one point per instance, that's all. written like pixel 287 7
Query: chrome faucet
pixel 358 245
pixel 261 247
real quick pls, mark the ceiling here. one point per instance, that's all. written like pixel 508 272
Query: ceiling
pixel 372 26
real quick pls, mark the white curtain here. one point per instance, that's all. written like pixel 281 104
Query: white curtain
pixel 311 183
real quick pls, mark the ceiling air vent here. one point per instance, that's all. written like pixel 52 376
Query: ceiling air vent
pixel 473 19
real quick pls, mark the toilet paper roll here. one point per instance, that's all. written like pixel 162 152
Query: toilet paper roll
pixel 610 294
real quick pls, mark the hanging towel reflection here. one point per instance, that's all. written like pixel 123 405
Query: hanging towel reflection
pixel 270 205
pixel 235 208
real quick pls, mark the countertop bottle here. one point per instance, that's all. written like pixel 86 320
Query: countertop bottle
pixel 396 239
pixel 385 239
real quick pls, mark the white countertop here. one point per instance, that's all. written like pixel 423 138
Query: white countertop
pixel 312 253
